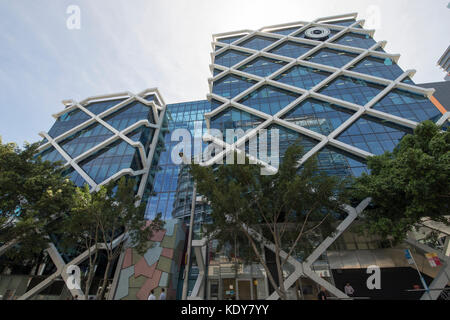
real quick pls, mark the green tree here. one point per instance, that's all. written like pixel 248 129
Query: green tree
pixel 102 219
pixel 408 185
pixel 291 208
pixel 81 228
pixel 34 196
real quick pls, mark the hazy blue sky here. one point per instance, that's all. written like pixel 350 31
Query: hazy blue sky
pixel 137 44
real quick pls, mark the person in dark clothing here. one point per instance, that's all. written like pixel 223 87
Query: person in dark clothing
pixel 322 294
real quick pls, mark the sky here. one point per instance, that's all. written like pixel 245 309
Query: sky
pixel 132 45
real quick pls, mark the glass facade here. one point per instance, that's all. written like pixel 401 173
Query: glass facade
pixel 319 116
pixel 67 121
pixel 230 58
pixel 180 115
pixel 101 106
pixel 231 85
pixel 358 40
pixel 233 118
pixel 169 189
pixel 407 105
pixel 257 42
pixel 268 99
pixel 262 66
pixel 331 57
pixel 130 114
pixel 291 49
pixel 110 160
pixel 351 90
pixel 303 77
pixel 85 139
pixel 100 163
pixel 373 135
pixel 383 68
pixel 367 133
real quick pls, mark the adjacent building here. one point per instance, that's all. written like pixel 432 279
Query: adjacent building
pixel 444 63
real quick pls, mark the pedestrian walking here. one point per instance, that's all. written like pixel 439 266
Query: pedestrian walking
pixel 152 295
pixel 162 295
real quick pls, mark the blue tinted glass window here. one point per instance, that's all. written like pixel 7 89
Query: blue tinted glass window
pixel 330 57
pixel 164 175
pixel 356 40
pixel 407 105
pixel 67 121
pixel 231 85
pixel 215 104
pixel 229 40
pixel 373 135
pixel 318 116
pixel 52 155
pixel 383 68
pixel 302 77
pixel 262 66
pixel 287 137
pixel 233 118
pixel 130 114
pixel 110 160
pixel 269 99
pixel 257 42
pixel 291 49
pixel 230 58
pixel 351 90
pixel 336 162
pixel 85 139
pixel 99 107
pixel 143 135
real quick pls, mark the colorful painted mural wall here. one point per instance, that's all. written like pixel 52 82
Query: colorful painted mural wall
pixel 158 268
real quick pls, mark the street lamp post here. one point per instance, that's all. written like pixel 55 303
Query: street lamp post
pixel 189 246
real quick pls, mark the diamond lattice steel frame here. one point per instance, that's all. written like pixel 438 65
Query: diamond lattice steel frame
pixel 304 269
pixel 158 110
pixel 146 159
pixel 322 140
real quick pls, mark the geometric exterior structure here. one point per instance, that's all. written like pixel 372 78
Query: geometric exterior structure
pixel 158 268
pixel 99 140
pixel 103 138
pixel 345 96
pixel 327 82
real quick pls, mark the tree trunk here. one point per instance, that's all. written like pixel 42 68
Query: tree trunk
pixel 101 295
pixel 89 281
pixel 261 260
pixel 279 268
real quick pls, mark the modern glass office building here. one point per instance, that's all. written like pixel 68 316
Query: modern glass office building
pixel 327 82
